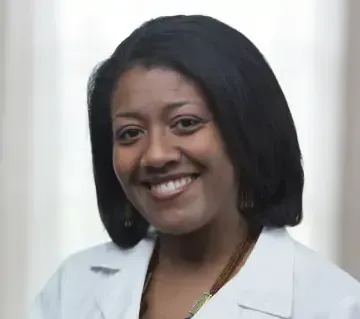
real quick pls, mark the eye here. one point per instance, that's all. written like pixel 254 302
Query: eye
pixel 187 124
pixel 128 136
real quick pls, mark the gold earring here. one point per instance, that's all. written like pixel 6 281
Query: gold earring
pixel 247 200
pixel 129 218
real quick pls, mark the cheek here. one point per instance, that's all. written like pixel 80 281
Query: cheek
pixel 209 149
pixel 123 162
pixel 207 146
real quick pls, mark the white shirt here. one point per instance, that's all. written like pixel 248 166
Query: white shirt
pixel 281 279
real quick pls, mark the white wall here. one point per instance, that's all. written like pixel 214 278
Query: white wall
pixel 349 209
pixel 15 165
pixel 44 223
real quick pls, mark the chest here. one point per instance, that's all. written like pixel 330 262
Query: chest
pixel 176 300
pixel 172 300
pixel 123 302
pixel 217 308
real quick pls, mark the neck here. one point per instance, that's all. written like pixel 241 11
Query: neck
pixel 211 245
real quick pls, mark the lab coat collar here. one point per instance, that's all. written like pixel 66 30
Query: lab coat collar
pixel 120 292
pixel 264 284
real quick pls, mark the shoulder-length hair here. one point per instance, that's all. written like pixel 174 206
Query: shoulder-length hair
pixel 242 93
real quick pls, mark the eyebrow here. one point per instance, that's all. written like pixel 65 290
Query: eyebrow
pixel 132 114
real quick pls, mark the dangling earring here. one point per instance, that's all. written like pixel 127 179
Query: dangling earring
pixel 246 201
pixel 129 218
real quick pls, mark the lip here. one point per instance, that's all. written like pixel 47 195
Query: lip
pixel 157 196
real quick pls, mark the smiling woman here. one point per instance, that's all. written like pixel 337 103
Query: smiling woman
pixel 168 154
pixel 198 170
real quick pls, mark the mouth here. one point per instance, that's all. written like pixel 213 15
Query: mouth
pixel 171 187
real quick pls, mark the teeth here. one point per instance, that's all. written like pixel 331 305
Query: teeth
pixel 171 186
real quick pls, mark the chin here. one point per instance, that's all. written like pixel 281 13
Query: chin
pixel 172 229
pixel 186 219
pixel 177 228
pixel 175 231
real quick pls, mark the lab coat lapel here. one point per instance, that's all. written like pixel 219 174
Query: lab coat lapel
pixel 265 284
pixel 263 288
pixel 119 295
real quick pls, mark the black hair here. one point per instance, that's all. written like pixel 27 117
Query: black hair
pixel 244 97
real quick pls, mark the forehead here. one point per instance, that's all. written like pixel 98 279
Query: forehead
pixel 141 86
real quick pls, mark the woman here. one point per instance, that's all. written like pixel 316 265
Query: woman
pixel 198 170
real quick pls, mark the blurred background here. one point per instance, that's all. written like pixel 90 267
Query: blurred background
pixel 47 51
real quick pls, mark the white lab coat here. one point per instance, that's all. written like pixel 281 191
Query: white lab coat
pixel 281 279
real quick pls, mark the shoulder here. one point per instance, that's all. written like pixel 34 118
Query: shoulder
pixel 312 269
pixel 103 259
pixel 79 279
pixel 107 254
pixel 321 286
pixel 287 279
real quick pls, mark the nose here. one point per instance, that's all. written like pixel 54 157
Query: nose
pixel 160 151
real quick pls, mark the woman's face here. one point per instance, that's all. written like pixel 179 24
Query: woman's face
pixel 167 152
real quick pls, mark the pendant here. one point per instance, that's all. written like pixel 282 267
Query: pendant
pixel 205 297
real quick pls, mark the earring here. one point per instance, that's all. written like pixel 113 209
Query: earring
pixel 129 220
pixel 246 201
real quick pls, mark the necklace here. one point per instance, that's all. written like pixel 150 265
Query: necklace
pixel 236 259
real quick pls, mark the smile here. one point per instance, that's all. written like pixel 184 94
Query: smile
pixel 171 188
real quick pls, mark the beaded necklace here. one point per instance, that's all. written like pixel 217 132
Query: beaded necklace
pixel 235 260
